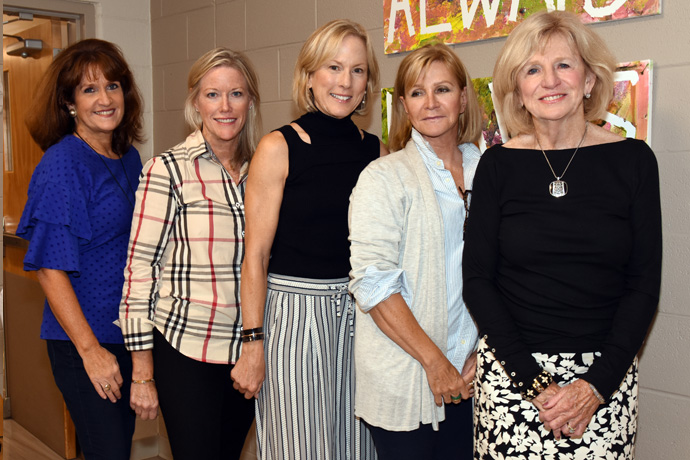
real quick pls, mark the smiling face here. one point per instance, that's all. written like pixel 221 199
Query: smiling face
pixel 223 103
pixel 340 83
pixel 100 105
pixel 553 83
pixel 434 104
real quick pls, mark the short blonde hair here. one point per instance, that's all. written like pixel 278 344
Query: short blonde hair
pixel 323 45
pixel 411 68
pixel 218 57
pixel 531 37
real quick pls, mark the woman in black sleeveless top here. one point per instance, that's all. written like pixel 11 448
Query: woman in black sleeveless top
pixel 297 256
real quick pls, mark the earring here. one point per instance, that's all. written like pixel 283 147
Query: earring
pixel 588 95
pixel 251 106
pixel 73 112
pixel 363 104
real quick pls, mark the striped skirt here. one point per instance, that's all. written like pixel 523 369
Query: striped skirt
pixel 507 426
pixel 305 407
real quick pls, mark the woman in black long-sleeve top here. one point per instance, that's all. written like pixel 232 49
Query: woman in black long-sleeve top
pixel 562 260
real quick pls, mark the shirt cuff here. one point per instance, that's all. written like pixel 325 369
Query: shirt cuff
pixel 137 333
pixel 378 285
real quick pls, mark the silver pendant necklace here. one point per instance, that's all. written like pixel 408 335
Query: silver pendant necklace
pixel 559 188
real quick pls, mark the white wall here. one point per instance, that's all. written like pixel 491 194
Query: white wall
pixel 271 33
pixel 128 24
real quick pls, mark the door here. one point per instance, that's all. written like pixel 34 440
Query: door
pixel 32 396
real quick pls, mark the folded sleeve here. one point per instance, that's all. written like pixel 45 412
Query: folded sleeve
pixel 378 285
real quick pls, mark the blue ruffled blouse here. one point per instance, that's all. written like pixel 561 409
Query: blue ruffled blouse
pixel 77 219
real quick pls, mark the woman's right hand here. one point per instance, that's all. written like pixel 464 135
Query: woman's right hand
pixel 104 372
pixel 250 370
pixel 445 382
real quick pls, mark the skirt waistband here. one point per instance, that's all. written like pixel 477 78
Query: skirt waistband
pixel 308 286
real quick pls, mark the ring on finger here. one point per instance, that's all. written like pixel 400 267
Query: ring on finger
pixel 571 430
pixel 456 398
pixel 106 387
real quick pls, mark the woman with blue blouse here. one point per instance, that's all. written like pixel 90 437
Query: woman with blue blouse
pixel 415 340
pixel 86 115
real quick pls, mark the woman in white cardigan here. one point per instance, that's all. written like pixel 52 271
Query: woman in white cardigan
pixel 415 340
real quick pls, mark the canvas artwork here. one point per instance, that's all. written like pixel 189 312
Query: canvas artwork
pixel 409 24
pixel 629 113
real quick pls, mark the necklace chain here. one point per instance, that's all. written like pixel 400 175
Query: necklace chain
pixel 571 158
pixel 122 163
pixel 559 188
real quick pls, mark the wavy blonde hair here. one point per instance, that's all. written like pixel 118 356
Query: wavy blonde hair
pixel 531 37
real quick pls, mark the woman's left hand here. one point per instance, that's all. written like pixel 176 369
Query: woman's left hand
pixel 570 410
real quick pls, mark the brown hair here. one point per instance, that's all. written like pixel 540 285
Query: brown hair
pixel 531 37
pixel 49 119
pixel 411 68
pixel 321 46
pixel 218 57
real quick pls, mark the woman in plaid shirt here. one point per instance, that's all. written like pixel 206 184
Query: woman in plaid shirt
pixel 180 313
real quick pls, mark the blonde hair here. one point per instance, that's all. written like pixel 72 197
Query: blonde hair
pixel 531 37
pixel 218 57
pixel 411 68
pixel 323 45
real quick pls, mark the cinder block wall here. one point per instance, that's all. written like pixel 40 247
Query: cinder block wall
pixel 271 33
pixel 128 23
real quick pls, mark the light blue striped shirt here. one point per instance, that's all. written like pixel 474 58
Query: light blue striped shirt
pixel 462 332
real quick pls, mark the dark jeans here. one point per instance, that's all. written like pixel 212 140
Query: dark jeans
pixel 104 429
pixel 453 440
pixel 206 418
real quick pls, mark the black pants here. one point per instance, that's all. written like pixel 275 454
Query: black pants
pixel 104 429
pixel 206 418
pixel 452 441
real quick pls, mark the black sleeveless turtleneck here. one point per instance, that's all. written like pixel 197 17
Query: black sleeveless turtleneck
pixel 311 238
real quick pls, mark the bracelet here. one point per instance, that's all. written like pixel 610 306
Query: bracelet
pixel 539 384
pixel 252 337
pixel 249 332
pixel 144 381
pixel 596 393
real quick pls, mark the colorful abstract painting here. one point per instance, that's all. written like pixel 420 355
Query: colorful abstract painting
pixel 409 24
pixel 628 114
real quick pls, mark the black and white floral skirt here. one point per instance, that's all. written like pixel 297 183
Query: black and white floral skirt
pixel 508 427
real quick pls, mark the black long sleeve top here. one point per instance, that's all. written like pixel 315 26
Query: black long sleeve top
pixel 579 273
